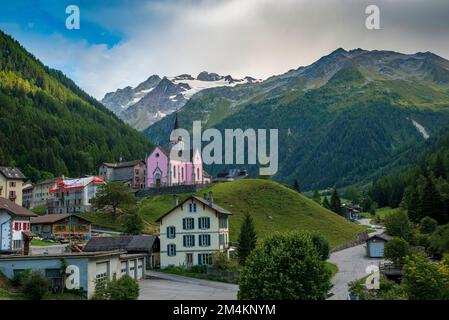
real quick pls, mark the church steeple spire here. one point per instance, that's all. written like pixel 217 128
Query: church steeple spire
pixel 176 126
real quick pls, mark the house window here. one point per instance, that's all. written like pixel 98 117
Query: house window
pixel 182 173
pixel 188 240
pixel 223 223
pixel 205 258
pixel 171 232
pixel 16 226
pixel 16 244
pixel 198 174
pixel 192 207
pixel 174 172
pixel 222 239
pixel 204 223
pixel 12 184
pixel 204 240
pixel 188 223
pixel 12 194
pixel 171 250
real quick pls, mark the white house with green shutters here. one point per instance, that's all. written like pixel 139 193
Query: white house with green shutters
pixel 192 231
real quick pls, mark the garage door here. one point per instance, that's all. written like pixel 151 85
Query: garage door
pixel 123 268
pixel 139 269
pixel 376 249
pixel 101 276
pixel 132 268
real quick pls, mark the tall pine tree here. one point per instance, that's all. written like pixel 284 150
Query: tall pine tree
pixel 326 203
pixel 335 204
pixel 247 239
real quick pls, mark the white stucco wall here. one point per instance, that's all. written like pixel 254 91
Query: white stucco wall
pixel 175 219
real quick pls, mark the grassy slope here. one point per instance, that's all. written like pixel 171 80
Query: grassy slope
pixel 273 207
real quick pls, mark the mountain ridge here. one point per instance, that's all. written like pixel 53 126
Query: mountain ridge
pixel 158 96
pixel 370 101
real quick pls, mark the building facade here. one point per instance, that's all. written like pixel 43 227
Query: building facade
pixel 73 195
pixel 14 226
pixel 11 184
pixel 41 192
pixel 61 226
pixel 133 173
pixel 192 231
pixel 91 268
pixel 27 195
pixel 175 165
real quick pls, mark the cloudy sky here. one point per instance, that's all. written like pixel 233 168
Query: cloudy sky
pixel 121 43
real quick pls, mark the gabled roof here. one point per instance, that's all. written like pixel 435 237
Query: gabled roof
pixel 12 173
pixel 381 236
pixel 206 202
pixel 15 209
pixel 142 243
pixel 53 218
pixel 123 164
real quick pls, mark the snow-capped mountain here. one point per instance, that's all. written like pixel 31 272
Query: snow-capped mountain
pixel 157 97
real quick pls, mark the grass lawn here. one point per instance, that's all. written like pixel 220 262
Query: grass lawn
pixel 40 210
pixel 332 267
pixel 5 295
pixel 273 207
pixel 41 243
pixel 382 212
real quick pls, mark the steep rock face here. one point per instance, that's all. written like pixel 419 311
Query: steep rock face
pixel 157 97
pixel 346 118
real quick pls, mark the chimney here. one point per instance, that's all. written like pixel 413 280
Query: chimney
pixel 211 198
pixel 175 200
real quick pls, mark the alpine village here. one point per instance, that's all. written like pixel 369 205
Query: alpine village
pixel 94 206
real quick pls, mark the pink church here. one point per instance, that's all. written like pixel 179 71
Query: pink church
pixel 164 171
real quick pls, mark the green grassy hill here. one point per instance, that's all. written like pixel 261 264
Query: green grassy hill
pixel 273 206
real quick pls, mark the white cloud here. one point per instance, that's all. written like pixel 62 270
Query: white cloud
pixel 238 37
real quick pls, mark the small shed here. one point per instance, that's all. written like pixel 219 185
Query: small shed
pixel 375 245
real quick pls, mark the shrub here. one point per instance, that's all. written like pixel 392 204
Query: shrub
pixel 35 285
pixel 396 250
pixel 427 225
pixel 221 261
pixel 398 224
pixel 321 245
pixel 439 241
pixel 422 279
pixel 199 268
pixel 285 266
pixel 125 288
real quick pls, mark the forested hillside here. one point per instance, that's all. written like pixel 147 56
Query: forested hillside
pixel 351 117
pixel 49 126
pixel 422 189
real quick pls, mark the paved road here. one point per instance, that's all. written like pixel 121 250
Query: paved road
pixel 351 263
pixel 162 286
